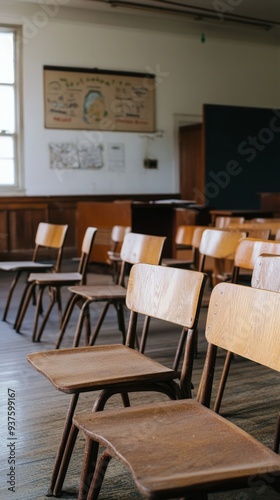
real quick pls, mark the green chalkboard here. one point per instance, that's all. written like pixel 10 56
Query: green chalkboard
pixel 242 155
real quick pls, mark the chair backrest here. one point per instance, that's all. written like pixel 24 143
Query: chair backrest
pixel 223 222
pixel 140 248
pixel 184 236
pixel 273 226
pixel 244 321
pixel 249 250
pixel 87 244
pixel 219 244
pixel 259 233
pixel 50 236
pixel 118 233
pixel 169 294
pixel 266 273
pixel 117 236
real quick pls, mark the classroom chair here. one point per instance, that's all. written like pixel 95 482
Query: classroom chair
pixel 168 294
pixel 183 449
pixel 54 282
pixel 136 248
pixel 48 237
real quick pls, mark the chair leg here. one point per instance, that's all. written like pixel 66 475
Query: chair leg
pixel 99 323
pixel 88 468
pixel 37 312
pixel 121 322
pixel 66 316
pixel 179 350
pixel 65 459
pixel 62 446
pixel 83 313
pixel 46 316
pixel 222 383
pixel 98 477
pixel 11 291
pixel 144 334
pixel 25 299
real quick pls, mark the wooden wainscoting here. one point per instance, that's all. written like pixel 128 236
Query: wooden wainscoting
pixel 20 216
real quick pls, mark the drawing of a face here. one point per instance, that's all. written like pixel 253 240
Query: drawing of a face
pixel 94 107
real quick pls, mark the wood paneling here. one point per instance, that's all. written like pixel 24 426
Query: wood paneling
pixel 20 215
pixel 103 216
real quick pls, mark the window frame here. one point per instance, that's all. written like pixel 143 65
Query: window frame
pixel 17 136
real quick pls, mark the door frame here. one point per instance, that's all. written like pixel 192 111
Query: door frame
pixel 180 120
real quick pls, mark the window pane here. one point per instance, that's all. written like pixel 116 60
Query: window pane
pixel 7 58
pixel 7 176
pixel 6 147
pixel 7 115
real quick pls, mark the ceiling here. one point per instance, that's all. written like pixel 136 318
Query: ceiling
pixel 256 18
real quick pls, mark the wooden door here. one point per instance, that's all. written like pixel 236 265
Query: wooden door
pixel 191 156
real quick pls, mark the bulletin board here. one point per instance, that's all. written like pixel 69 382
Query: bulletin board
pixel 94 99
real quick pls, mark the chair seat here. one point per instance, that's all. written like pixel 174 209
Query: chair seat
pixel 22 265
pixel 95 367
pixel 99 292
pixel 54 278
pixel 173 446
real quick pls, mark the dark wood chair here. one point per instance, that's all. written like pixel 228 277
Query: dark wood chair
pixel 183 448
pixel 168 294
pixel 136 248
pixel 48 237
pixel 53 283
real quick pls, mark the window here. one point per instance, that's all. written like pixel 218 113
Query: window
pixel 9 106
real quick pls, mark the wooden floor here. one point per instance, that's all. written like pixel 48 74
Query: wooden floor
pixel 40 409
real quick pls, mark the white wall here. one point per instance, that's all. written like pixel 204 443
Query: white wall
pixel 190 73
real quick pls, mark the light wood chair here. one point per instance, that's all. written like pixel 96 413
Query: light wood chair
pixel 136 248
pixel 251 226
pixel 168 294
pixel 114 258
pixel 220 245
pixel 187 238
pixel 223 222
pixel 182 448
pixel 246 256
pixel 266 276
pixel 48 237
pixel 54 282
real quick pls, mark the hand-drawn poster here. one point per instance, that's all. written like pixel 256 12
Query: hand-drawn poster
pixel 84 99
pixel 65 155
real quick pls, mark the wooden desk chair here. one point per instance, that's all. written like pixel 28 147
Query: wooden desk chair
pixel 187 238
pixel 223 222
pixel 172 295
pixel 221 245
pixel 251 226
pixel 54 282
pixel 266 276
pixel 48 236
pixel 114 258
pixel 246 256
pixel 182 448
pixel 136 248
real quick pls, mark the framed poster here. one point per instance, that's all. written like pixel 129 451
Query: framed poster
pixel 85 99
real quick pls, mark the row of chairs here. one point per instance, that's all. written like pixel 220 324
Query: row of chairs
pixel 168 286
pixel 187 449
pixel 218 244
